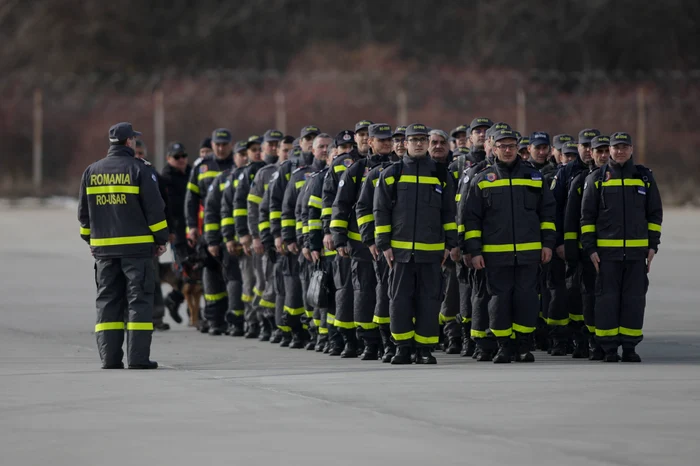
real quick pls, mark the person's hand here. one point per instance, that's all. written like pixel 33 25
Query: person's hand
pixel 389 256
pixel 650 257
pixel 343 251
pixel 328 242
pixel 560 252
pixel 478 262
pixel 455 255
pixel 245 242
pixel 596 261
pixel 214 250
pixel 546 255
pixel 467 259
pixel 293 248
pixel 160 250
pixel 444 257
pixel 192 237
pixel 307 254
pixel 373 250
pixel 315 256
pixel 258 246
pixel 231 247
pixel 279 245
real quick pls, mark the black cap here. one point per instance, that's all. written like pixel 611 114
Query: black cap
pixel 415 129
pixel 273 135
pixel 481 121
pixel 497 127
pixel 122 132
pixel 461 150
pixel 345 137
pixel 559 140
pixel 600 141
pixel 538 138
pixel 362 124
pixel 241 146
pixel 253 140
pixel 206 142
pixel 523 143
pixel 518 135
pixel 309 130
pixel 400 130
pixel 460 129
pixel 221 136
pixel 380 131
pixel 295 144
pixel 503 134
pixel 175 148
pixel 570 148
pixel 620 138
pixel 295 152
pixel 585 135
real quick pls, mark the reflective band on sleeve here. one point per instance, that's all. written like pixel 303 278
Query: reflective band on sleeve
pixel 403 336
pixel 472 234
pixel 208 174
pixel 548 226
pixel 193 187
pixel 458 197
pixel 120 241
pixel 239 313
pixel 112 190
pixel 339 224
pixel 418 246
pixel 571 236
pixel 299 184
pixel 158 226
pixel 139 325
pixel 289 223
pixel 257 292
pixel 263 225
pixel 299 225
pixel 389 180
pixel 254 199
pixel 509 247
pixel 618 243
pixel 557 322
pixel 109 326
pixel 315 201
pixel 285 328
pixel 654 227
pixel 215 297
pixel 304 229
pixel 267 304
pixel 240 212
pixel 588 229
pixel 450 226
pixel 246 298
pixel 460 229
pixel 327 211
pixel 382 229
pixel 426 340
pixel 227 221
pixel 274 215
pixel 365 219
pixel 211 227
pixel 339 168
pixel 354 236
pixel 84 231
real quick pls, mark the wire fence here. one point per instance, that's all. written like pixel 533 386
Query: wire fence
pixel 52 127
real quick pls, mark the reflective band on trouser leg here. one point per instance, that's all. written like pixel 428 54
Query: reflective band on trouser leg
pixel 364 283
pixel 109 329
pixel 608 304
pixel 635 283
pixel 105 326
pixel 140 285
pixel 139 326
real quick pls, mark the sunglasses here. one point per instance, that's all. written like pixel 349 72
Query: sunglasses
pixel 179 156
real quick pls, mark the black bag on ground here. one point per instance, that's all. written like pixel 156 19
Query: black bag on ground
pixel 317 294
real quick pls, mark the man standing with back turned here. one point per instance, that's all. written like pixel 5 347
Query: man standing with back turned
pixel 122 217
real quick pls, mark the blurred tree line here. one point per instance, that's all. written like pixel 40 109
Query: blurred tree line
pixel 93 36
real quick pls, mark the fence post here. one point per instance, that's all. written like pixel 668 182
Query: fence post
pixel 37 142
pixel 641 136
pixel 521 110
pixel 280 112
pixel 401 108
pixel 159 129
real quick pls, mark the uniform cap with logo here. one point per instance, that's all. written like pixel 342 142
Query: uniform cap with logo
pixel 122 132
pixel 480 122
pixel 253 140
pixel 417 129
pixel 176 148
pixel 586 135
pixel 503 134
pixel 570 148
pixel 309 131
pixel 523 143
pixel 460 129
pixel 273 135
pixel 400 131
pixel 362 124
pixel 345 137
pixel 620 138
pixel 497 127
pixel 221 136
pixel 380 131
pixel 600 141
pixel 539 138
pixel 462 150
pixel 241 146
pixel 559 140
pixel 206 143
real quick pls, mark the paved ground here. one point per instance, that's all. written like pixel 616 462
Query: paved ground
pixel 243 402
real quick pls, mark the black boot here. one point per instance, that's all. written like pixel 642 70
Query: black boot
pixel 203 326
pixel 503 355
pixel 350 339
pixel 236 330
pixel 173 301
pixel 217 329
pixel 595 352
pixel 371 352
pixel 630 355
pixel 523 343
pixel 147 365
pixel 298 340
pixel 321 343
pixel 580 348
pixel 253 331
pixel 276 337
pixel 483 355
pixel 611 356
pixel 389 347
pixel 286 339
pixel 402 356
pixel 454 346
pixel 161 326
pixel 425 356
pixel 558 348
pixel 266 332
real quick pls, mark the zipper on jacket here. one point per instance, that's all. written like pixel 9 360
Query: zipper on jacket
pixel 512 214
pixel 624 215
pixel 415 210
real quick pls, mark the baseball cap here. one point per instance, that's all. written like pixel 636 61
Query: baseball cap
pixel 309 130
pixel 273 135
pixel 460 129
pixel 585 135
pixel 345 137
pixel 497 127
pixel 380 131
pixel 176 148
pixel 362 124
pixel 559 140
pixel 620 138
pixel 400 130
pixel 538 138
pixel 481 121
pixel 600 141
pixel 417 129
pixel 253 140
pixel 523 143
pixel 241 146
pixel 122 132
pixel 221 136
pixel 461 150
pixel 206 142
pixel 503 134
pixel 570 148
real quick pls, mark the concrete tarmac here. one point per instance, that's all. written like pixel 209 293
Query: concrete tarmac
pixel 225 400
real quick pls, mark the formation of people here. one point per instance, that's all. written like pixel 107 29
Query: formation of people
pixel 385 243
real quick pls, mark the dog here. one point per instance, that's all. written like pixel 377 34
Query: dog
pixel 189 274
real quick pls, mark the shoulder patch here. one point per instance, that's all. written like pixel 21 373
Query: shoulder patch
pixel 203 169
pixel 537 176
pixel 153 175
pixel 347 162
pixel 341 184
pixel 491 176
pixel 241 176
pixel 554 183
pixel 608 175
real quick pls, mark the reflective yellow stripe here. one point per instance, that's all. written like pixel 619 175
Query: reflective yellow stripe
pixel 263 225
pixel 315 201
pixel 84 231
pixel 294 311
pixel 327 252
pixel 444 319
pixel 588 229
pixel 472 234
pixel 257 292
pixel 502 333
pixel 322 330
pixel 630 332
pixel 304 230
pixel 515 182
pixel 275 215
pixel 299 184
pixel 246 298
pixel 522 329
pixel 239 313
pixel 591 329
pixel 618 243
pixel 267 304
pixel 450 226
pixel 571 236
pixel 208 174
pixel 477 333
pixel 548 226
pixel 201 214
pixel 576 317
pixel 112 190
pixel 382 229
pixel 254 199
pixel 315 223
pixel 458 197
pixel 330 319
pixel 339 224
pixel 556 322
pixel 365 219
pixel 317 322
pixel 222 186
pixel 235 183
pixel 326 211
pixel 193 187
pixel 426 340
pixel 420 180
pixel 418 246
pixel 308 313
pixel 366 325
pixel 347 325
pixel 158 226
pixel 613 332
pixel 139 325
pixel 509 247
pixel 381 320
pixel 225 222
pixel 109 326
pixel 285 328
pixel 466 320
pixel 403 336
pixel 654 227
pixel 628 182
pixel 389 180
pixel 211 227
pixel 240 212
pixel 354 236
pixel 339 168
pixel 299 225
pixel 215 297
pixel 122 240
pixel 460 229
pixel 289 223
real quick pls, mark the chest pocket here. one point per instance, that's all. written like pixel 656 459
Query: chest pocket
pixel 433 195
pixel 531 197
pixel 640 194
pixel 493 197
